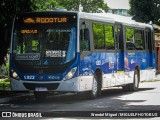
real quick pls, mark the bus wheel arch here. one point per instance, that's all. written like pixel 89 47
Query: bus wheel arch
pixel 136 79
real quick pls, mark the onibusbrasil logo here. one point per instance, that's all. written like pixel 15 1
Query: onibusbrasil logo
pixel 18 114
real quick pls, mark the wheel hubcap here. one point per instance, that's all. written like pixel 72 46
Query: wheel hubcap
pixel 136 81
pixel 94 87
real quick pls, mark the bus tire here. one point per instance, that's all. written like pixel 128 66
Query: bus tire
pixel 40 95
pixel 134 86
pixel 96 88
pixel 93 93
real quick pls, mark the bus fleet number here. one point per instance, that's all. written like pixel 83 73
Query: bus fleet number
pixel 29 77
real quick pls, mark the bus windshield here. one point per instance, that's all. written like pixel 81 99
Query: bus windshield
pixel 50 46
pixel 44 41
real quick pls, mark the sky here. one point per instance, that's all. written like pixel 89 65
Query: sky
pixel 118 4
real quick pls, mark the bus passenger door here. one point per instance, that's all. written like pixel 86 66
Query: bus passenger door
pixel 130 60
pixel 119 43
pixel 85 66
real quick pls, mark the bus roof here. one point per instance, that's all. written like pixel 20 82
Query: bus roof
pixel 103 17
pixel 96 16
pixel 113 18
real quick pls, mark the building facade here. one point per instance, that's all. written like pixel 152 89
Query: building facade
pixel 157 44
pixel 123 12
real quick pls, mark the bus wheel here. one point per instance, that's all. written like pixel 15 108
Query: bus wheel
pixel 94 91
pixel 41 95
pixel 134 86
pixel 96 88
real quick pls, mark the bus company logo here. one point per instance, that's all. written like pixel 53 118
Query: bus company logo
pixel 41 77
pixel 42 20
pixel 6 114
pixel 29 20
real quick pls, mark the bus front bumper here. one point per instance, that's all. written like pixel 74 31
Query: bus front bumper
pixel 73 85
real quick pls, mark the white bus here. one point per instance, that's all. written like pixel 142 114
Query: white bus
pixel 64 51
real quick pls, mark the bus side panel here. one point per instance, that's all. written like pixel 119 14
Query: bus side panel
pixel 141 58
pixel 151 71
pixel 129 66
pixel 86 73
pixel 120 61
pixel 100 60
pixel 120 77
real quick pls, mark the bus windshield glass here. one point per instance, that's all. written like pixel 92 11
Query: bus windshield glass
pixel 44 44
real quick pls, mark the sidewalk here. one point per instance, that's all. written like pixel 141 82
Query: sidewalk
pixel 5 99
pixel 6 96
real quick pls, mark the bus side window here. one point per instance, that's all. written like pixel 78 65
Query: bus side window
pixel 84 40
pixel 139 39
pixel 98 36
pixel 109 37
pixel 130 40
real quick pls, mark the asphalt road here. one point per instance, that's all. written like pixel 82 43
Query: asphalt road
pixel 147 98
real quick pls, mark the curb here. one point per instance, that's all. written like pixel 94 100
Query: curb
pixel 4 100
pixel 10 98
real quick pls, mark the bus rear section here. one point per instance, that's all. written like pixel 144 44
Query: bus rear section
pixel 44 53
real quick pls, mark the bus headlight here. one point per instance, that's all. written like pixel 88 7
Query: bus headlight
pixel 15 75
pixel 70 74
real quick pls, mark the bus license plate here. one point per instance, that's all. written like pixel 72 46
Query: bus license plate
pixel 41 89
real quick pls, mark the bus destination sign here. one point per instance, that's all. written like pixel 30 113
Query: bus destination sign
pixel 29 31
pixel 42 20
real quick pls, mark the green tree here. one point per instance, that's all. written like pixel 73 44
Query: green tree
pixel 73 5
pixel 88 5
pixel 8 9
pixel 98 36
pixel 129 34
pixel 109 37
pixel 145 10
pixel 45 5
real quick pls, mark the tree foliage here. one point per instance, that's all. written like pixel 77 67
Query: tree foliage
pixel 88 5
pixel 45 5
pixel 145 10
pixel 8 9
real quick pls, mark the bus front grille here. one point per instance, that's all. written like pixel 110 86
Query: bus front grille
pixel 49 86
